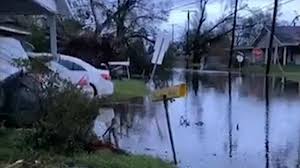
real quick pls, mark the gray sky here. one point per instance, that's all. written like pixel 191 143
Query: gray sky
pixel 216 9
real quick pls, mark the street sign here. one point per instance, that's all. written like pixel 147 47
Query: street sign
pixel 170 93
pixel 258 53
pixel 240 57
pixel 161 46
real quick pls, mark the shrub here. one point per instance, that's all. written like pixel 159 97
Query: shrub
pixel 68 120
pixel 68 113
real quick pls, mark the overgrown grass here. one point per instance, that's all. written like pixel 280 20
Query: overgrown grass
pixel 11 150
pixel 128 89
pixel 8 146
pixel 108 159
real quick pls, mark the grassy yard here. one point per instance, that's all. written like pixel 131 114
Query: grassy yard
pixel 128 89
pixel 12 150
pixel 274 69
pixel 291 72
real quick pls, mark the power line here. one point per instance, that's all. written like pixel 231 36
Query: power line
pixel 268 7
pixel 184 5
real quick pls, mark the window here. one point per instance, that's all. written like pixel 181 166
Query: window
pixel 71 65
pixel 77 67
pixel 66 64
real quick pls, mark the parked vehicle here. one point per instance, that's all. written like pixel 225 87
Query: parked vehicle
pixel 75 69
pixel 80 80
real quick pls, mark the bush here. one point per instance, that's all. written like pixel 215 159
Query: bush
pixel 68 114
pixel 68 120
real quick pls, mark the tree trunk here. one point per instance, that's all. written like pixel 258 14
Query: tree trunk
pixel 233 35
pixel 271 37
pixel 97 29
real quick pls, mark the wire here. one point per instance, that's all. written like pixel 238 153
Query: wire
pixel 184 5
pixel 267 7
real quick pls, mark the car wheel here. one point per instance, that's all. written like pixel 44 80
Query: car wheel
pixel 94 89
pixel 90 90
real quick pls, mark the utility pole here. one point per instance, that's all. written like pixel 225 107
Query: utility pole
pixel 173 38
pixel 272 37
pixel 188 52
pixel 187 40
pixel 233 35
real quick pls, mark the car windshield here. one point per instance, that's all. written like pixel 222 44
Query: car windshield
pixel 150 83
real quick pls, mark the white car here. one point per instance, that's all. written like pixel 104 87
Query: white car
pixel 77 71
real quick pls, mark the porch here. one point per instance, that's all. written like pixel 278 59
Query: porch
pixel 284 55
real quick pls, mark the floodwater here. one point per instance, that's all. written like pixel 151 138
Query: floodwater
pixel 254 124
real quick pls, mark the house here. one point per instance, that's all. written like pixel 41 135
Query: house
pixel 217 55
pixel 286 46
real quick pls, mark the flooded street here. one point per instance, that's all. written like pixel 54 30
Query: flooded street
pixel 215 126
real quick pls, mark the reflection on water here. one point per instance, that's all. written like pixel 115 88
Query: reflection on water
pixel 225 121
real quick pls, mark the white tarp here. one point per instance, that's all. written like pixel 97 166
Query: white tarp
pixel 162 44
pixel 55 6
pixel 50 5
pixel 10 49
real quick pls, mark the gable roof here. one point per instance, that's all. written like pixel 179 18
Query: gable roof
pixel 284 35
pixel 288 34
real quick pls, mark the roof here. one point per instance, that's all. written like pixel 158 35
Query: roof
pixel 9 26
pixel 34 7
pixel 13 30
pixel 237 48
pixel 288 34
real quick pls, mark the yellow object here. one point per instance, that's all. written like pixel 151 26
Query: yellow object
pixel 170 93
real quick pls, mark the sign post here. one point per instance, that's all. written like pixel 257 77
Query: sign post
pixel 169 128
pixel 240 59
pixel 166 95
pixel 161 46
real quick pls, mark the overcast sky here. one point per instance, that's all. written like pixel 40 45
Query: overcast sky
pixel 289 10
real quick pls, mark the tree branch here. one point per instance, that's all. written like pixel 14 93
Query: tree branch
pixel 138 35
pixel 203 4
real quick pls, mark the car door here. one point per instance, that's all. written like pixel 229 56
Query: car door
pixel 76 73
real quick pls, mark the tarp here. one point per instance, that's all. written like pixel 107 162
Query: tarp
pixel 10 49
pixel 50 5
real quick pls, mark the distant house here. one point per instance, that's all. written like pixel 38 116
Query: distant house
pixel 286 46
pixel 218 53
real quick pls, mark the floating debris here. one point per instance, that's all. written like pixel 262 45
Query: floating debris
pixel 200 123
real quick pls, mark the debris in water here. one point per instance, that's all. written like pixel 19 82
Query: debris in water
pixel 200 123
pixel 237 127
pixel 184 122
pixel 149 149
